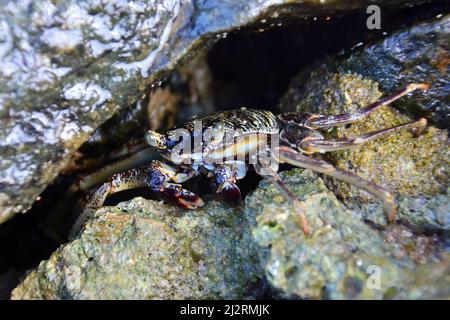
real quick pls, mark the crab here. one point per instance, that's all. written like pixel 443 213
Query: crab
pixel 228 156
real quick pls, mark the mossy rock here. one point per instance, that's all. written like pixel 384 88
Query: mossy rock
pixel 398 162
pixel 142 249
pixel 343 255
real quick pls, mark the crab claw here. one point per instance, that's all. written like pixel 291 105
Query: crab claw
pixel 181 197
pixel 230 193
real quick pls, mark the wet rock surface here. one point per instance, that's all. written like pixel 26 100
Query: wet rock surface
pixel 399 162
pixel 68 67
pixel 146 250
pixel 142 249
pixel 421 212
pixel 417 54
pixel 342 257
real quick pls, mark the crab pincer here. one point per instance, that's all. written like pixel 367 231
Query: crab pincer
pixel 183 198
pixel 224 183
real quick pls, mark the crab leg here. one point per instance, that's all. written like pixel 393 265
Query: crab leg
pixel 291 156
pixel 323 121
pixel 155 176
pixel 55 219
pixel 138 159
pixel 275 179
pixel 131 179
pixel 311 145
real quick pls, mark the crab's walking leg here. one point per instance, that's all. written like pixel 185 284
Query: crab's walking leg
pixel 324 121
pixel 155 176
pixel 272 176
pixel 134 178
pixel 298 206
pixel 140 158
pixel 311 145
pixel 55 220
pixel 291 156
pixel 224 183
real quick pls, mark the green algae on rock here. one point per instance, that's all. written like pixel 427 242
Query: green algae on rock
pixel 142 249
pixel 398 162
pixel 341 255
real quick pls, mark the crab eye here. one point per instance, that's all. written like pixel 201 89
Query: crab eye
pixel 155 139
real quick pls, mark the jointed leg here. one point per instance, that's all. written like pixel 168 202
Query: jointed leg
pixel 323 121
pixel 311 145
pixel 68 201
pixel 272 176
pixel 136 160
pixel 131 179
pixel 291 156
pixel 155 176
pixel 297 205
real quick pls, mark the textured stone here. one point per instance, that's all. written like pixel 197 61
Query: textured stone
pixel 67 67
pixel 398 162
pixel 343 254
pixel 142 249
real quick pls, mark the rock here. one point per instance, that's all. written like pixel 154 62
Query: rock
pixel 418 54
pixel 421 212
pixel 67 67
pixel 343 257
pixel 398 162
pixel 428 282
pixel 75 66
pixel 142 249
pixel 342 260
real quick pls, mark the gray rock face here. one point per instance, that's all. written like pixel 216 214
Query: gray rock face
pixel 142 249
pixel 66 68
pixel 344 258
pixel 418 54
